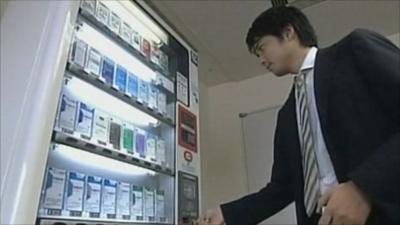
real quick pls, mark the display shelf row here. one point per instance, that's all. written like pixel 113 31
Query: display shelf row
pixel 153 109
pixel 75 140
pixel 85 196
pixel 55 220
pixel 134 134
pixel 151 54
pixel 96 62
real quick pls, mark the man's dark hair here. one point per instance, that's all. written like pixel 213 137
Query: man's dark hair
pixel 275 19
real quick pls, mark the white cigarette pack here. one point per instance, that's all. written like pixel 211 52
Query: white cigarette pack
pixel 100 127
pixel 149 198
pixel 152 97
pixel 132 85
pixel 75 191
pixel 115 23
pixel 67 111
pixel 89 6
pixel 93 62
pixel 143 95
pixel 161 151
pixel 160 205
pixel 137 202
pixel 93 194
pixel 54 189
pixel 135 40
pixel 102 13
pixel 151 147
pixel 123 209
pixel 84 121
pixel 126 32
pixel 109 197
pixel 78 53
pixel 162 102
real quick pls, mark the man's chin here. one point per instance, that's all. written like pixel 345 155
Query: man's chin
pixel 280 74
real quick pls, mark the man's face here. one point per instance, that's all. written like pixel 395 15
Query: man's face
pixel 273 53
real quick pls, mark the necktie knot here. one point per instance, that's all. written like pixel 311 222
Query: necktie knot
pixel 299 80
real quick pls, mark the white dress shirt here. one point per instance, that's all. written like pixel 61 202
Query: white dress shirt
pixel 327 174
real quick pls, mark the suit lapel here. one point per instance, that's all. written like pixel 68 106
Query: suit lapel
pixel 293 143
pixel 321 87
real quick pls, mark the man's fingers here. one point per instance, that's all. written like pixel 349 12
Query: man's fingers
pixel 203 220
pixel 325 219
pixel 323 201
pixel 198 221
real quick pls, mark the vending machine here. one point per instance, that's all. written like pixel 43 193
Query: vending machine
pixel 124 143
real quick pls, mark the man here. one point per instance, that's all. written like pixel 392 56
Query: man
pixel 337 140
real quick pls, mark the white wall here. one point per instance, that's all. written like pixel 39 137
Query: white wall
pixel 395 38
pixel 223 168
pixel 204 149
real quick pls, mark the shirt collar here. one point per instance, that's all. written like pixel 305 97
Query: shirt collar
pixel 309 60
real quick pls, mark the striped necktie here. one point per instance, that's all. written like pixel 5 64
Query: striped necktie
pixel 309 162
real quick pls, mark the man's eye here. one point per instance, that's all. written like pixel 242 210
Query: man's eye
pixel 259 51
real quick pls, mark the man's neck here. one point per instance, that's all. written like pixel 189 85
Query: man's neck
pixel 298 59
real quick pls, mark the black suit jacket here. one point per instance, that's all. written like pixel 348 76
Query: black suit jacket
pixel 357 91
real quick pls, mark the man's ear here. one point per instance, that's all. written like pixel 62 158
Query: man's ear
pixel 288 33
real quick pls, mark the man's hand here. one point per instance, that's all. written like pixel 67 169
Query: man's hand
pixel 344 204
pixel 212 217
